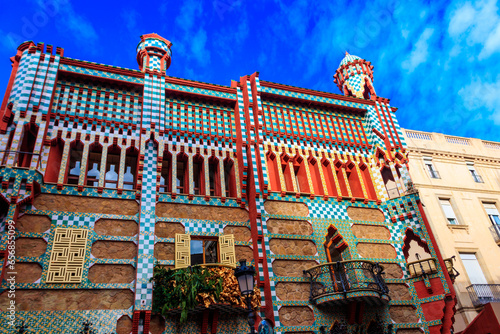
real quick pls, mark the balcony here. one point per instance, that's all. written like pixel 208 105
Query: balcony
pixel 422 267
pixel 337 283
pixel 495 232
pixel 482 294
pixel 450 268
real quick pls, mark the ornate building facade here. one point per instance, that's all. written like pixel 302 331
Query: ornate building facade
pixel 107 172
pixel 459 182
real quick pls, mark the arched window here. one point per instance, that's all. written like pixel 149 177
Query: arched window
pixel 94 165
pixel 112 167
pixel 30 132
pixel 300 173
pixel 390 184
pixel 272 172
pixel 229 178
pixel 354 182
pixel 329 178
pixel 314 167
pixel 214 176
pixel 166 172
pixel 182 173
pixel 8 147
pixel 340 177
pixel 367 181
pixel 54 161
pixel 129 177
pixel 287 174
pixel 198 175
pixel 75 162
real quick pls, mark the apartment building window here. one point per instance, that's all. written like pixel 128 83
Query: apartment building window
pixel 476 275
pixel 204 251
pixel 448 211
pixel 477 178
pixel 492 213
pixel 433 173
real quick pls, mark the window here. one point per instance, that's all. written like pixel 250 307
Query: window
pixel 54 161
pixel 181 173
pixel 94 165
pixel 198 175
pixel 477 178
pixel 204 251
pixel 112 167
pixel 75 160
pixel 30 133
pixel 448 211
pixel 229 178
pixel 433 173
pixel 214 177
pixel 166 173
pixel 130 168
pixel 492 213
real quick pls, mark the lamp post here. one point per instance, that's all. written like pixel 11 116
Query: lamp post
pixel 246 283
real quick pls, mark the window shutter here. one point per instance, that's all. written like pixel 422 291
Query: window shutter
pixel 448 210
pixel 491 209
pixel 182 251
pixel 226 250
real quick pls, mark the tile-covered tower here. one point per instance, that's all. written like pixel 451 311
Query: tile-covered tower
pixel 109 175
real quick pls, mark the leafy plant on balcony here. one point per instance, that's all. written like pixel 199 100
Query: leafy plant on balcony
pixel 190 287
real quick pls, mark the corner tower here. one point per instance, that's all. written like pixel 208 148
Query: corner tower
pixel 154 53
pixel 354 77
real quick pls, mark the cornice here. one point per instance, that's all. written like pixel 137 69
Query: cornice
pixel 452 188
pixel 452 155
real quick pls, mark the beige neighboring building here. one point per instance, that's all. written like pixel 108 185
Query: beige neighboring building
pixel 459 183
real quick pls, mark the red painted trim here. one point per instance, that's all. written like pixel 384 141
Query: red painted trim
pixel 450 301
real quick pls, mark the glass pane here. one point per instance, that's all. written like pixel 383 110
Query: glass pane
pixel 211 251
pixel 196 252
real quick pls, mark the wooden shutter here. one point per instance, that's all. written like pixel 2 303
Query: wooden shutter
pixel 226 250
pixel 182 251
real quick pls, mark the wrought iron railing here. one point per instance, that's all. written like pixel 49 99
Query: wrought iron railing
pixel 422 267
pixel 482 294
pixel 450 268
pixel 495 232
pixel 346 276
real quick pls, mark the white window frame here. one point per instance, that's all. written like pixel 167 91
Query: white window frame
pixel 431 169
pixel 492 212
pixel 477 178
pixel 448 211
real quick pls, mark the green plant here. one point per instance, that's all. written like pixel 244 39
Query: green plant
pixel 180 288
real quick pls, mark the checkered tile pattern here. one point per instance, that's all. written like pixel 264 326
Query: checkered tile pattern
pixel 76 220
pixel 193 226
pixel 145 261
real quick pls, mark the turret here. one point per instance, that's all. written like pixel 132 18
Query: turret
pixel 354 77
pixel 153 53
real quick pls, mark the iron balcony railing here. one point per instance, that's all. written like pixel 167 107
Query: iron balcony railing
pixel 422 267
pixel 495 232
pixel 482 294
pixel 340 278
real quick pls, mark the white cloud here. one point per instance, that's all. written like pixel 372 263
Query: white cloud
pixel 420 51
pixel 483 95
pixel 477 24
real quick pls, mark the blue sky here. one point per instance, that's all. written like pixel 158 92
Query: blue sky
pixel 438 61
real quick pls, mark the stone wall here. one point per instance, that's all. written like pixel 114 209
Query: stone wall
pixel 403 314
pixel 371 232
pixel 30 247
pixel 365 214
pixel 292 268
pixel 28 272
pixel 376 251
pixel 168 230
pixel 296 316
pixel 175 210
pixel 286 208
pixel 293 291
pixel 392 270
pixel 157 324
pixel 116 227
pixel 164 251
pixel 292 247
pixel 284 226
pixel 111 273
pixel 124 325
pixel 68 203
pixel 241 233
pixel 70 299
pixel 33 223
pixel 243 252
pixel 114 249
pixel 399 291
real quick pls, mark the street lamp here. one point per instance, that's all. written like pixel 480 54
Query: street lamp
pixel 246 283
